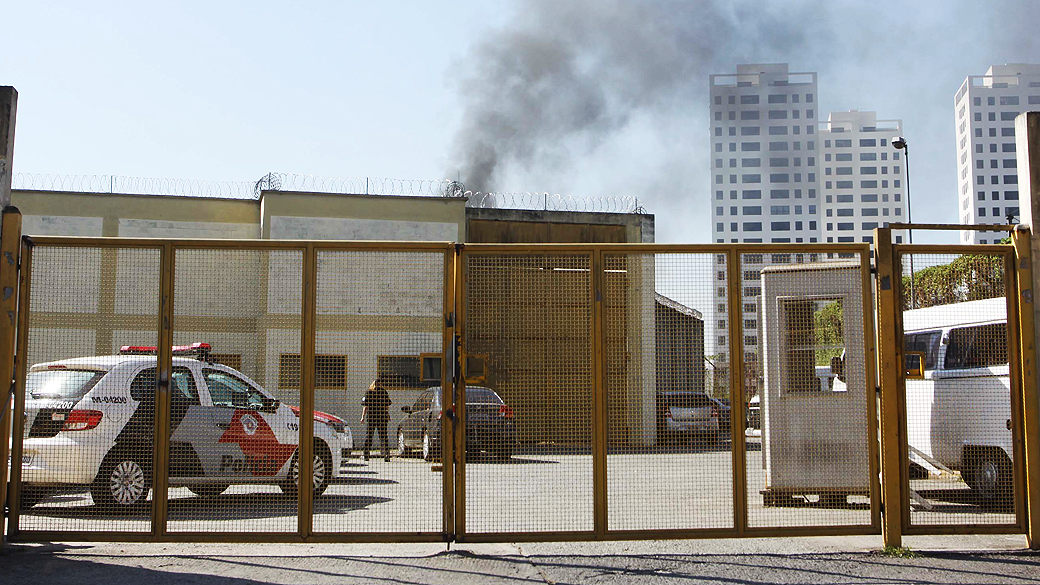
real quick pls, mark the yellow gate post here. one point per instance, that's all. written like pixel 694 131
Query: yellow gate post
pixel 10 242
pixel 890 365
pixel 1030 399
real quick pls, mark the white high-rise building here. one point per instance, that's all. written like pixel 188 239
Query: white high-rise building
pixel 985 108
pixel 764 155
pixel 765 179
pixel 864 182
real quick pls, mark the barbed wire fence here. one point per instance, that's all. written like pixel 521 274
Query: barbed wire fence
pixel 295 182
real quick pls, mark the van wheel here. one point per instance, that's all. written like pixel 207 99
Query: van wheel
pixel 208 490
pixel 123 481
pixel 989 476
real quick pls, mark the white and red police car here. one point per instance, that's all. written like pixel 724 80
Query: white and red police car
pixel 90 423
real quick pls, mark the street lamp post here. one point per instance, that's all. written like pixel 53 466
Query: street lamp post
pixel 900 144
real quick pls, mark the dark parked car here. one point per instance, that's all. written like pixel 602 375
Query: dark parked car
pixel 490 426
pixel 686 414
pixel 724 409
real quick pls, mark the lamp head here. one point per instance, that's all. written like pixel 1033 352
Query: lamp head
pixel 899 142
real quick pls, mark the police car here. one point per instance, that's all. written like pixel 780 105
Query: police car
pixel 89 422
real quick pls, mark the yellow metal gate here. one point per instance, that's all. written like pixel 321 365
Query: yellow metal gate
pixel 536 392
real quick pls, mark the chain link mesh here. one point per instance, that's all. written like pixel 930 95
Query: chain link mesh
pixel 810 401
pixel 529 430
pixel 958 400
pixel 87 460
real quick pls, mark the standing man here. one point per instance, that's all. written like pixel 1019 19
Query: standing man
pixel 376 411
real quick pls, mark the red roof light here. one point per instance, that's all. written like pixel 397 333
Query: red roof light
pixel 177 349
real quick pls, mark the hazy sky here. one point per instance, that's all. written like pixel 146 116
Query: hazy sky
pixel 582 97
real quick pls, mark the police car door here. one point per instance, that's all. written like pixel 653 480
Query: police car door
pixel 247 446
pixel 190 426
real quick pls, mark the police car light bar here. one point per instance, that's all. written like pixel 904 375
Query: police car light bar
pixel 195 349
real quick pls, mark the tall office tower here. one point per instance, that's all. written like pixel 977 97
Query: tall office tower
pixel 764 181
pixel 985 108
pixel 764 155
pixel 863 183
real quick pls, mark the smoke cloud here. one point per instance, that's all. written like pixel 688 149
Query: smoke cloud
pixel 609 97
pixel 567 75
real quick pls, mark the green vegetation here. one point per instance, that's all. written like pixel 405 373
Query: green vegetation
pixel 970 277
pixel 827 328
pixel 902 552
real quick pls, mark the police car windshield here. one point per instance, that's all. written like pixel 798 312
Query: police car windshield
pixel 62 384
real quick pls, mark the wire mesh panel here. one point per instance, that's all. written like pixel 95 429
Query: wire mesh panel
pixel 89 411
pixel 958 389
pixel 810 401
pixel 528 460
pixel 234 416
pixel 669 454
pixel 378 389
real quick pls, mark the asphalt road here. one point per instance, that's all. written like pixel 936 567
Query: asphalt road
pixel 683 488
pixel 813 561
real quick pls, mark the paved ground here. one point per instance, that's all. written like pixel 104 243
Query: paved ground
pixel 681 488
pixel 816 561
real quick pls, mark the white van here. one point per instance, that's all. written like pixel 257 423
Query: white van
pixel 958 415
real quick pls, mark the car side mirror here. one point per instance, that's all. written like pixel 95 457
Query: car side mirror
pixel 914 362
pixel 838 368
pixel 270 404
pixel 407 409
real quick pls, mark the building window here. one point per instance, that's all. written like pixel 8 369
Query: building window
pixel 750 146
pixel 845 212
pixel 749 114
pixel 330 371
pixel 843 143
pixel 778 130
pixel 752 210
pixel 231 360
pixel 751 194
pixel 752 226
pixel 748 99
pixel 780 226
pixel 1009 100
pixel 846 226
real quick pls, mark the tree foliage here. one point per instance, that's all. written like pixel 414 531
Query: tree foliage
pixel 970 277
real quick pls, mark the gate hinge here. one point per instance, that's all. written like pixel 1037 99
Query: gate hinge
pixel 877 389
pixel 449 319
pixel 873 269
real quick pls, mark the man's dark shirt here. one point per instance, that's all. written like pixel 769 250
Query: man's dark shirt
pixel 377 402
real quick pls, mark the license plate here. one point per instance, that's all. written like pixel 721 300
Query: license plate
pixel 27 459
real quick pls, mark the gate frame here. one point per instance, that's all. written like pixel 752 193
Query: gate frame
pixel 165 327
pixel 1021 346
pixel 740 529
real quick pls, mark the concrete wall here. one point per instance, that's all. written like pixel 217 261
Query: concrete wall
pixel 323 216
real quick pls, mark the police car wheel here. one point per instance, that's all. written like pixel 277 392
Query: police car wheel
pixel 322 471
pixel 208 490
pixel 123 482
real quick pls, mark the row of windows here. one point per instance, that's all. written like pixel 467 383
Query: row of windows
pixel 1005 116
pixel 863 156
pixel 757 210
pixel 995 180
pixel 1012 211
pixel 773 146
pixel 864 212
pixel 1009 163
pixel 1005 131
pixel 773 194
pixel 772 130
pixel 773 162
pixel 756 226
pixel 849 226
pixel 1005 100
pixel 751 99
pixel 1005 147
pixel 866 184
pixel 773 178
pixel 772 114
pixel 871 170
pixel 863 142
pixel 995 196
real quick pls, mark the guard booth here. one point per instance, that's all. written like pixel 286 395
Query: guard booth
pixel 815 403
